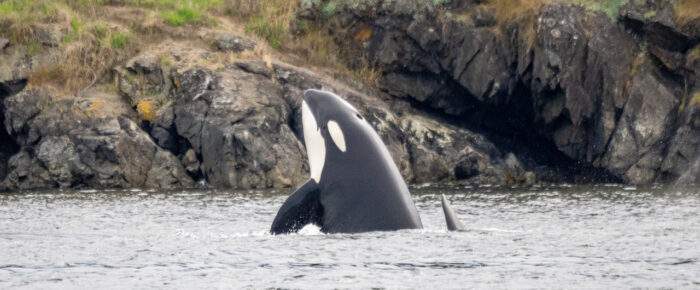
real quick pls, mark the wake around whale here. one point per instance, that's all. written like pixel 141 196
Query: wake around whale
pixel 354 185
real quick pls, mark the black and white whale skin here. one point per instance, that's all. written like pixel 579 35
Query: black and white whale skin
pixel 355 185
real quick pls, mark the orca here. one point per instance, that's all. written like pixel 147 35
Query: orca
pixel 355 185
pixel 453 224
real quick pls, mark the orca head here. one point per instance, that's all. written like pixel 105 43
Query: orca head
pixel 325 119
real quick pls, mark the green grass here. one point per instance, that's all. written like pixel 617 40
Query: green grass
pixel 271 32
pixel 76 25
pixel 182 16
pixel 182 12
pixel 76 30
pixel 9 7
pixel 33 47
pixel 119 40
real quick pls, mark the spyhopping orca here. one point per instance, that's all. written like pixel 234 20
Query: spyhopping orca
pixel 354 185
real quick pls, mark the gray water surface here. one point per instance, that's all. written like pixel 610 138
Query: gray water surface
pixel 552 237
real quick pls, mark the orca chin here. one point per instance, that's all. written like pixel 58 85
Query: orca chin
pixel 354 184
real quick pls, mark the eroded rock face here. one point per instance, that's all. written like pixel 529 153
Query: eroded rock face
pixel 83 142
pixel 237 123
pixel 605 92
pixel 636 149
pixel 239 126
pixel 444 152
pixel 579 76
pixel 232 126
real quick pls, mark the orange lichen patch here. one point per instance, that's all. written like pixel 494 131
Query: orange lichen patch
pixel 363 34
pixel 95 109
pixel 146 111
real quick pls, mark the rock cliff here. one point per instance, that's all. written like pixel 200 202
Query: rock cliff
pixel 614 92
pixel 573 96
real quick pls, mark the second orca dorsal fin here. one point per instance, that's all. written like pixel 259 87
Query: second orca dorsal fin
pixel 453 224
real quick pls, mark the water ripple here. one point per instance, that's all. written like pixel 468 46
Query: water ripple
pixel 601 236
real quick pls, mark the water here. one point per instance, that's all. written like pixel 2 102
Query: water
pixel 552 237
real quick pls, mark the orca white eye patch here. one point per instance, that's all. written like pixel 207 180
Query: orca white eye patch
pixel 337 135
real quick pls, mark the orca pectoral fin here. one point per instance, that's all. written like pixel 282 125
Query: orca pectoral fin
pixel 301 208
pixel 453 223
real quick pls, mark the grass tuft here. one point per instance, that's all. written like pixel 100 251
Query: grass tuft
pixel 100 31
pixel 119 40
pixel 182 16
pixel 522 13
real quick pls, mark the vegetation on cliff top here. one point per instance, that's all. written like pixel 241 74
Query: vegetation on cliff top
pixel 97 35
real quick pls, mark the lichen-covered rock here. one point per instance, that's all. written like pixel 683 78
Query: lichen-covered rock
pixel 84 142
pixel 4 42
pixel 145 84
pixel 440 152
pixel 636 149
pixel 230 42
pixel 237 123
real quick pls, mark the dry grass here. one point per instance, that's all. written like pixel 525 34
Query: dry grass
pixel 369 74
pixel 316 47
pixel 515 10
pixel 687 11
pixel 520 13
pixel 695 101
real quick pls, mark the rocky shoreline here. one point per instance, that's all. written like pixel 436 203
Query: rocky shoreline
pixel 592 99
